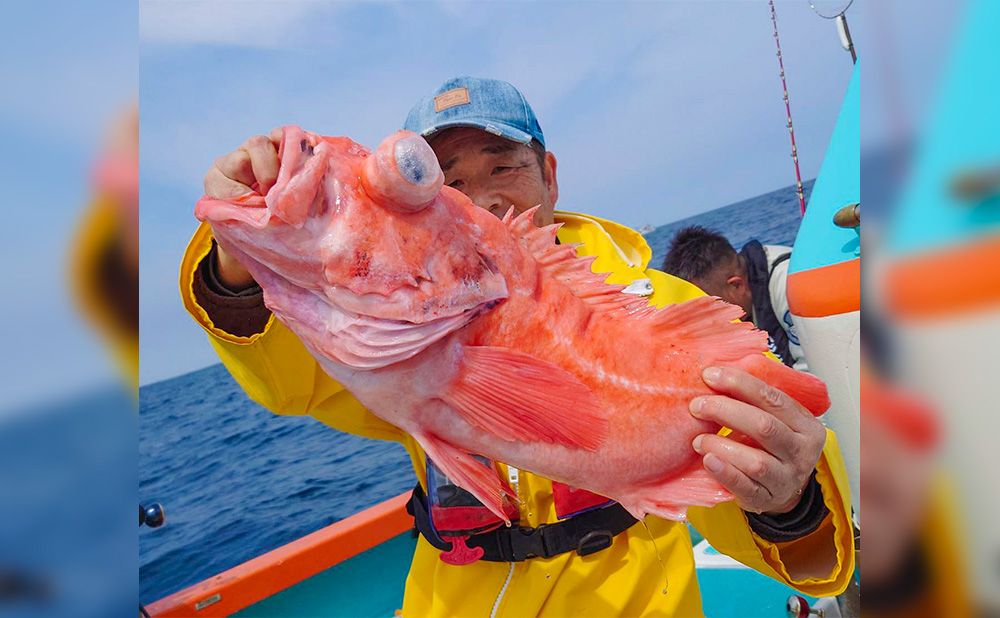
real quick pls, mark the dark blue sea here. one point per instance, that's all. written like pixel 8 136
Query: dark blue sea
pixel 237 480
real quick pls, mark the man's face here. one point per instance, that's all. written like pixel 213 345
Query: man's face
pixel 497 173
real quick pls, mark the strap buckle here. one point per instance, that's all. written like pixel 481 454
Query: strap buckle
pixel 528 543
pixel 594 541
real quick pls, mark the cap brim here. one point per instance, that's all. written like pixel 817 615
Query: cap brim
pixel 490 126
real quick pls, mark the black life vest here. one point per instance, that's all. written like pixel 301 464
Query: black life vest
pixel 759 277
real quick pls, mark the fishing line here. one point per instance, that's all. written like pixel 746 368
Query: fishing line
pixel 812 5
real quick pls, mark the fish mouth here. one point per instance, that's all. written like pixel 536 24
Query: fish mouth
pixel 422 303
pixel 367 342
pixel 483 308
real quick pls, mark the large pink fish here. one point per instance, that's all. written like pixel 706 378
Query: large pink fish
pixel 477 335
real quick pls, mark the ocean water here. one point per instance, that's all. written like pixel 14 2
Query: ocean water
pixel 772 218
pixel 237 480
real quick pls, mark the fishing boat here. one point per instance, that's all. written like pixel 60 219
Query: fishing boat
pixel 321 574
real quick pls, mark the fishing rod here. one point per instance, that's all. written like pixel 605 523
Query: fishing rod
pixel 788 113
pixel 848 45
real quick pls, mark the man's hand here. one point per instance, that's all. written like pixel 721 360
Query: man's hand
pixel 786 441
pixel 251 167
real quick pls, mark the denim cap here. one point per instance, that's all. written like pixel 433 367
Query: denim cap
pixel 489 104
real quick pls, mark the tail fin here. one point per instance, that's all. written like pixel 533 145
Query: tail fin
pixel 807 389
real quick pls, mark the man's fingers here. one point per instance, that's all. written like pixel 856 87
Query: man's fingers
pixel 219 186
pixel 749 494
pixel 758 465
pixel 252 165
pixel 764 428
pixel 263 155
pixel 740 385
pixel 236 166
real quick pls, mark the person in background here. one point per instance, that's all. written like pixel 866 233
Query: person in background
pixel 753 279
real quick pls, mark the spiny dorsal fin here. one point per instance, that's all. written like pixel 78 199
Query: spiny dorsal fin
pixel 705 322
pixel 709 323
pixel 564 265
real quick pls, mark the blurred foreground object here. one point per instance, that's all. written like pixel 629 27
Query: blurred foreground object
pixel 941 291
pixel 67 426
pixel 104 265
pixel 912 563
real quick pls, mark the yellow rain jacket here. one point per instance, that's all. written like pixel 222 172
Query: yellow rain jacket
pixel 625 579
pixel 96 247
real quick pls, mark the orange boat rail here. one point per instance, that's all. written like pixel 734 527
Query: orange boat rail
pixel 948 282
pixel 827 290
pixel 270 573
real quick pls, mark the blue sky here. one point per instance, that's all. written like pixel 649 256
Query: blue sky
pixel 655 110
pixel 66 69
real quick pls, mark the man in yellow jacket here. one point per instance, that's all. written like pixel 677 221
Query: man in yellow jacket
pixel 791 517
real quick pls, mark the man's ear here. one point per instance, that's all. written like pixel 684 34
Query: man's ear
pixel 550 176
pixel 741 294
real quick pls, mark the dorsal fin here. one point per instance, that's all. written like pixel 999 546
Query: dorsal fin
pixel 706 322
pixel 710 324
pixel 564 265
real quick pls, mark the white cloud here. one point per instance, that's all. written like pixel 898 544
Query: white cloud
pixel 242 23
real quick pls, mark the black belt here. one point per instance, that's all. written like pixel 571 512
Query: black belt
pixel 585 533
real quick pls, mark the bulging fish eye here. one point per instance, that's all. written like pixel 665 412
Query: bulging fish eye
pixel 403 173
pixel 416 161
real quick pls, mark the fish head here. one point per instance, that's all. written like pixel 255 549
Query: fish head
pixel 363 237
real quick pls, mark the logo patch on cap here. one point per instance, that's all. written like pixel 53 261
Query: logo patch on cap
pixel 452 98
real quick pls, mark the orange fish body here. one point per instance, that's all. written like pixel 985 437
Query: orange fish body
pixel 477 335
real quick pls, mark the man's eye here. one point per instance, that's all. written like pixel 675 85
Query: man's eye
pixel 500 169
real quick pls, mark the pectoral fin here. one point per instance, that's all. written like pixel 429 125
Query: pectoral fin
pixel 516 396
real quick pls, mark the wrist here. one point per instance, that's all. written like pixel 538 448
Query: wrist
pixel 788 506
pixel 792 501
pixel 230 272
pixel 802 519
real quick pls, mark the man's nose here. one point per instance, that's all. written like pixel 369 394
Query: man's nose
pixel 486 199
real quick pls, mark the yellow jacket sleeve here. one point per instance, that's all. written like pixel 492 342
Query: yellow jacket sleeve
pixel 819 564
pixel 275 369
